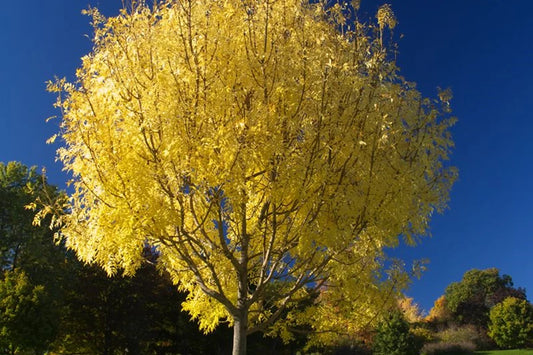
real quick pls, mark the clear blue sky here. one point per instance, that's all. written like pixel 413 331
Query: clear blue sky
pixel 482 49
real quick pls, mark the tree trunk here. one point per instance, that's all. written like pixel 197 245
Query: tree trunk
pixel 239 334
pixel 240 319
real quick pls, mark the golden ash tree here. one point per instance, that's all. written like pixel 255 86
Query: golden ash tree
pixel 266 149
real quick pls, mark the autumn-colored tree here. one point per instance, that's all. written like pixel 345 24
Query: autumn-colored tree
pixel 439 313
pixel 267 149
pixel 409 309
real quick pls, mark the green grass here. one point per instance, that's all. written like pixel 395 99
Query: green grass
pixel 505 352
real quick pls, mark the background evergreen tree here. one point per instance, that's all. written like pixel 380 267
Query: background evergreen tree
pixel 393 337
pixel 31 264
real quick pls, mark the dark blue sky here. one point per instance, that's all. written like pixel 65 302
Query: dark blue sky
pixel 482 49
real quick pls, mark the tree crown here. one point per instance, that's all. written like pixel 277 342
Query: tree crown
pixel 264 152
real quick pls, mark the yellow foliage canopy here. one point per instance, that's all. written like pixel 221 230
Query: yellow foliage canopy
pixel 260 150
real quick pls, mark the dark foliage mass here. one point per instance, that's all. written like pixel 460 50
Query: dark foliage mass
pixel 31 265
pixel 140 315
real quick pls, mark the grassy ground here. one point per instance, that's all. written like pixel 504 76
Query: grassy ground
pixel 505 352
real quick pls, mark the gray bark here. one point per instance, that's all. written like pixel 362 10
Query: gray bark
pixel 239 334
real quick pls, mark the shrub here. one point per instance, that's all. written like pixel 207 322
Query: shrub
pixel 457 335
pixel 394 338
pixel 422 336
pixel 511 323
pixel 445 348
pixel 467 333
